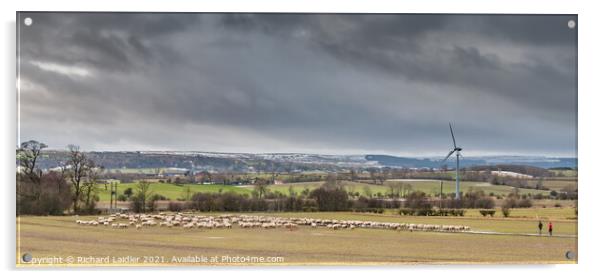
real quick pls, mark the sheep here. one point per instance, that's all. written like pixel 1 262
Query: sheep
pixel 188 221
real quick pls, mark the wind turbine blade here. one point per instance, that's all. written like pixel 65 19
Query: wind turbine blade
pixel 449 154
pixel 452 133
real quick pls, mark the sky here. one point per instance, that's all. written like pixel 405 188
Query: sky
pixel 307 83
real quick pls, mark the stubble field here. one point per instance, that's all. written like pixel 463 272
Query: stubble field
pixel 61 237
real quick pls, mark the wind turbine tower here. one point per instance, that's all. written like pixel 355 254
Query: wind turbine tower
pixel 457 151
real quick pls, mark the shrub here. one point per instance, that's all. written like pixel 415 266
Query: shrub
pixel 136 204
pixel 524 203
pixel 457 212
pixel 444 212
pixel 310 209
pixel 175 206
pixel 484 202
pixel 128 192
pixel 424 212
pixel 406 211
pixel 151 204
pixel 370 210
pixel 122 198
pixel 202 202
pixel 417 200
pixel 451 203
pixel 50 195
pixel 506 211
pixel 510 203
pixel 486 212
pixel 330 199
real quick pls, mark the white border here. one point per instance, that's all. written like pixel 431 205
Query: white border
pixel 589 131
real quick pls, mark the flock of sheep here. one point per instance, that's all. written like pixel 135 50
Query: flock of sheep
pixel 124 221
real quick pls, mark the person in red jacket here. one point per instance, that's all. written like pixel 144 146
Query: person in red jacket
pixel 550 228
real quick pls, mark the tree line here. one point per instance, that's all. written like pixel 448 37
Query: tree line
pixel 69 187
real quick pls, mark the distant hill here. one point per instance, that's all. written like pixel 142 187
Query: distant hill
pixel 405 162
pixel 540 162
pixel 288 162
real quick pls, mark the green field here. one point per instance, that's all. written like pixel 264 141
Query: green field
pixel 172 191
pixel 433 187
pixel 429 187
pixel 565 173
pixel 558 184
pixel 60 236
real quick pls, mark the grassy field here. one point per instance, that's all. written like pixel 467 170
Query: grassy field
pixel 349 186
pixel 566 173
pixel 60 236
pixel 433 187
pixel 172 191
pixel 429 187
pixel 558 184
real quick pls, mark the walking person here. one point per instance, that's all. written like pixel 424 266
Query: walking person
pixel 540 226
pixel 550 228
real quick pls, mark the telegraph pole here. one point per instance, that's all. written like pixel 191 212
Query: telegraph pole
pixel 440 193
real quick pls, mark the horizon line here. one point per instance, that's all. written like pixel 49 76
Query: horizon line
pixel 325 154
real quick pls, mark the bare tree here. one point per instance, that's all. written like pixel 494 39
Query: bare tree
pixel 353 175
pixel 28 155
pixel 395 189
pixel 332 182
pixel 186 193
pixel 384 175
pixel 79 166
pixel 372 172
pixel 143 193
pixel 261 186
pixel 89 190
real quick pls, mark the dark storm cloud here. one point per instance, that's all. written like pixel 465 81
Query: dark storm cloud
pixel 298 82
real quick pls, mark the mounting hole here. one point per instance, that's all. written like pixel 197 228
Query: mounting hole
pixel 569 255
pixel 28 21
pixel 26 257
pixel 572 24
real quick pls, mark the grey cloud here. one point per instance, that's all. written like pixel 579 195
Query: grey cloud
pixel 296 82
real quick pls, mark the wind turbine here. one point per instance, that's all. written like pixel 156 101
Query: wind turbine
pixel 457 151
